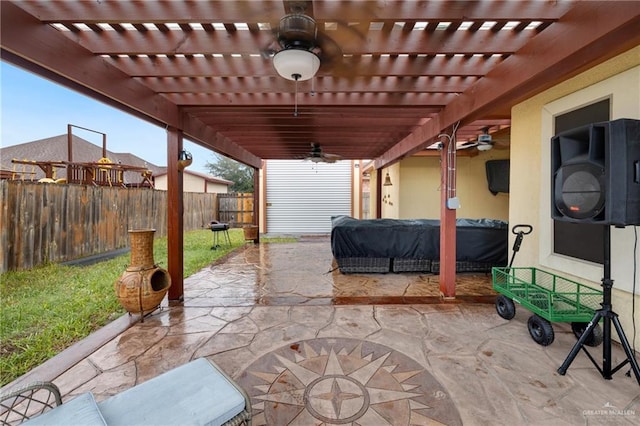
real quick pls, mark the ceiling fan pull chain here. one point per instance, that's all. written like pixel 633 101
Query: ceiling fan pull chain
pixel 296 77
pixel 295 111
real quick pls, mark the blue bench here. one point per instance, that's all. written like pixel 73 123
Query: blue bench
pixel 196 393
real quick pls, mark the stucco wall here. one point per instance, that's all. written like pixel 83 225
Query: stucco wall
pixel 391 194
pixel 160 182
pixel 532 127
pixel 420 190
pixel 193 183
pixel 217 188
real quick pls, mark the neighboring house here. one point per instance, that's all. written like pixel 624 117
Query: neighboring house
pixel 55 149
pixel 195 182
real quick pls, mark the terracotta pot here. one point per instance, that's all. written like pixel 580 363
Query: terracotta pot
pixel 143 285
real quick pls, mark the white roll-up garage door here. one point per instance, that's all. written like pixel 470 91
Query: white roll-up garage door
pixel 301 196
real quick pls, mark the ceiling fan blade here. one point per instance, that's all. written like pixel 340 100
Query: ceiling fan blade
pixel 271 49
pixel 347 36
pixel 332 157
pixel 467 145
pixel 502 143
pixel 314 159
pixel 502 138
pixel 316 155
pixel 330 51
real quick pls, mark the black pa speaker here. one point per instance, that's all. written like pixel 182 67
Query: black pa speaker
pixel 595 174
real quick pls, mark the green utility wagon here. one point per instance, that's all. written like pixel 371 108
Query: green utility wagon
pixel 550 298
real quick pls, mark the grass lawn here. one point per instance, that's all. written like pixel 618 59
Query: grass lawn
pixel 46 309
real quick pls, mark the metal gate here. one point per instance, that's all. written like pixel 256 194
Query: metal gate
pixel 302 196
pixel 236 209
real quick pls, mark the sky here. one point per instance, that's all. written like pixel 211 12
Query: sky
pixel 32 108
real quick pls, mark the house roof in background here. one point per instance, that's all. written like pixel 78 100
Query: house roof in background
pixel 55 148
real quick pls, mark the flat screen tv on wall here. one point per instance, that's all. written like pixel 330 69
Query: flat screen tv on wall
pixel 498 176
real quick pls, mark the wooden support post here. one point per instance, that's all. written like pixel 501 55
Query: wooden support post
pixel 378 193
pixel 69 151
pixel 447 230
pixel 104 145
pixel 175 242
pixel 256 202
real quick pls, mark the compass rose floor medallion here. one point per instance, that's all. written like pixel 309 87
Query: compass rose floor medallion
pixel 344 381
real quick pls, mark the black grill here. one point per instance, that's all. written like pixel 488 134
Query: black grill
pixel 217 227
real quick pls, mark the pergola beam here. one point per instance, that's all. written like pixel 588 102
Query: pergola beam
pixel 591 32
pixel 275 84
pixel 209 138
pixel 397 41
pixel 253 66
pixel 40 47
pixel 272 11
pixel 305 99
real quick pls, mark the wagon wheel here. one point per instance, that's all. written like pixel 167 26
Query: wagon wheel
pixel 505 307
pixel 541 330
pixel 594 338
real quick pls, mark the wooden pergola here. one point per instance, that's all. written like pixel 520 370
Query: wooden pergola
pixel 394 75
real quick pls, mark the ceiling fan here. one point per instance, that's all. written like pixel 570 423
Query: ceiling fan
pixel 485 142
pixel 300 48
pixel 316 155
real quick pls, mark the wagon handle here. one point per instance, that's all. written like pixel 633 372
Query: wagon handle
pixel 520 231
pixel 528 228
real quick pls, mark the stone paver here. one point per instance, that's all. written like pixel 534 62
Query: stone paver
pixel 363 364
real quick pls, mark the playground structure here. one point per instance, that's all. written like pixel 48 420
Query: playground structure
pixel 103 172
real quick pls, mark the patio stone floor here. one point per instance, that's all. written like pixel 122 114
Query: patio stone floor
pixel 312 346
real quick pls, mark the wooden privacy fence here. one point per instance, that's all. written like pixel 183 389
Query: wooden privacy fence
pixel 236 209
pixel 42 223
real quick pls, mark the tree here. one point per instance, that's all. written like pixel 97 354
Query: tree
pixel 240 174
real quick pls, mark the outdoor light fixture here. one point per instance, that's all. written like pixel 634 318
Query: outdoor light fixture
pixel 184 159
pixel 484 147
pixel 296 64
pixel 387 180
pixel 484 141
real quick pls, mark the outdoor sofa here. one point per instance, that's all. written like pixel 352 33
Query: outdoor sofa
pixel 394 245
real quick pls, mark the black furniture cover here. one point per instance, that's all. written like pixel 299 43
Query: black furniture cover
pixel 477 240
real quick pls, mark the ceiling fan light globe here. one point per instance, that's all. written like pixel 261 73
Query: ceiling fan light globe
pixel 484 146
pixel 296 64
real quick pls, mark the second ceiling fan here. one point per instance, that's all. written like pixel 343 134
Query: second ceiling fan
pixel 316 155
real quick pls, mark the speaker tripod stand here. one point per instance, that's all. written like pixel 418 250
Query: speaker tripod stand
pixel 608 316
